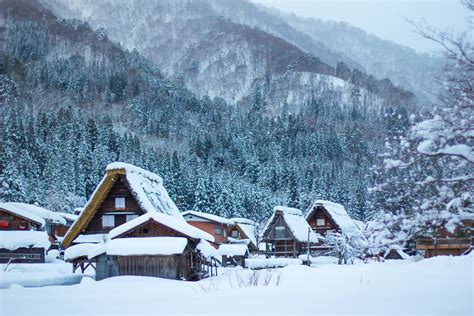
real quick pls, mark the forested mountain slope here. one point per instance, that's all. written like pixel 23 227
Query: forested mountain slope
pixel 73 101
pixel 216 53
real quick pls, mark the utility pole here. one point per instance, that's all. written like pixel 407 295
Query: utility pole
pixel 307 250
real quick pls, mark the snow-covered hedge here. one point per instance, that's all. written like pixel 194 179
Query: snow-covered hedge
pixel 266 263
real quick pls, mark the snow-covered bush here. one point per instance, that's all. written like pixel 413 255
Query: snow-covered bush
pixel 345 245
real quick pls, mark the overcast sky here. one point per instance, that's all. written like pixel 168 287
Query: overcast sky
pixel 384 18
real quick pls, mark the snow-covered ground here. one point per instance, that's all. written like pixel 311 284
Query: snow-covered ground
pixel 56 272
pixel 437 286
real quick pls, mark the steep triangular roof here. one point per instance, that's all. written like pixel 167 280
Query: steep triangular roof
pixel 295 221
pixel 246 228
pixel 146 187
pixel 338 214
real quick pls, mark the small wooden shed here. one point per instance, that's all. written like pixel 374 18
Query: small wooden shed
pixel 23 246
pixel 395 253
pixel 234 254
pixel 155 244
pixel 287 234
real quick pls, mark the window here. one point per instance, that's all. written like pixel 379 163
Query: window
pixel 235 234
pixel 218 230
pixel 120 202
pixel 130 217
pixel 320 222
pixel 279 232
pixel 108 220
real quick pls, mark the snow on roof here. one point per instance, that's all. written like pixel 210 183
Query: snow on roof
pixel 68 216
pixel 398 250
pixel 14 239
pixel 91 238
pixel 167 220
pixel 208 251
pixel 210 217
pixel 48 216
pixel 16 209
pixel 146 246
pixel 297 224
pixel 148 189
pixel 249 231
pixel 241 220
pixel 77 251
pixel 233 250
pixel 288 210
pixel 338 214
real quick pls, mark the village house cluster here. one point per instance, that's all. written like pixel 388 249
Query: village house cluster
pixel 130 226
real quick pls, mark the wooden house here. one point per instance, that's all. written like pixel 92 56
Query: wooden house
pixel 212 224
pixel 325 216
pixel 22 235
pixel 287 234
pixel 156 245
pixel 243 229
pixel 130 208
pixel 455 243
pixel 234 254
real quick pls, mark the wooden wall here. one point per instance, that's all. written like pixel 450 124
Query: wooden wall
pixel 152 229
pixel 119 189
pixel 329 223
pixel 22 255
pixel 168 267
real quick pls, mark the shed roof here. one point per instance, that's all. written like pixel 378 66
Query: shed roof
pixel 14 239
pixel 295 221
pixel 137 246
pixel 233 250
pixel 164 219
pixel 146 187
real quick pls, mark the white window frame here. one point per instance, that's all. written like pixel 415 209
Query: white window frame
pixel 108 220
pixel 320 222
pixel 218 231
pixel 235 234
pixel 279 232
pixel 129 217
pixel 122 203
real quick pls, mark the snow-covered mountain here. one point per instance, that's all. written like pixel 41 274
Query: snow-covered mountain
pixel 228 49
pixel 381 58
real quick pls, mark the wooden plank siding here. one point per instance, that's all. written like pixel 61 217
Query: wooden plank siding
pixel 120 188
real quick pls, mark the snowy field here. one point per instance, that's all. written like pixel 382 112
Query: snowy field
pixel 437 286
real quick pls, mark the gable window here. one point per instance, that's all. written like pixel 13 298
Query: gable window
pixel 218 230
pixel 320 222
pixel 235 234
pixel 108 220
pixel 130 217
pixel 279 232
pixel 120 202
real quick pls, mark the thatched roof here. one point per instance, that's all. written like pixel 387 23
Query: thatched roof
pixel 146 187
